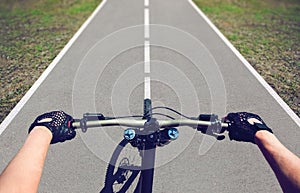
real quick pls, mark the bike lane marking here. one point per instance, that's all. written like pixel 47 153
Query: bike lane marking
pixel 14 112
pixel 147 23
pixel 260 79
pixel 147 81
pixel 147 56
pixel 147 88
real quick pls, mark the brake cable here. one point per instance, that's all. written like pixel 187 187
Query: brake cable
pixel 170 109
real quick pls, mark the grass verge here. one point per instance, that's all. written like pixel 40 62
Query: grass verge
pixel 32 33
pixel 267 33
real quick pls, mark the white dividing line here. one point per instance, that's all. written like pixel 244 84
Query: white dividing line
pixel 287 109
pixel 41 79
pixel 146 3
pixel 147 57
pixel 147 88
pixel 147 23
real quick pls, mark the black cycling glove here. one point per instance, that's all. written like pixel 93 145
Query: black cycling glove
pixel 59 123
pixel 242 126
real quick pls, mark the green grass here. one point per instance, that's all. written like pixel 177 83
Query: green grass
pixel 32 33
pixel 267 35
pixel 221 8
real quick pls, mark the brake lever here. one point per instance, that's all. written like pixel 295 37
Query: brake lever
pixel 215 129
pixel 90 117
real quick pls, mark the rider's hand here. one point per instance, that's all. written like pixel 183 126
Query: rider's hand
pixel 59 123
pixel 242 126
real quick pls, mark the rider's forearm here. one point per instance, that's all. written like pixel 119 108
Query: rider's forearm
pixel 24 172
pixel 284 163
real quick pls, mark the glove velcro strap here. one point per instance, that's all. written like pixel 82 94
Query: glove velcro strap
pixel 262 127
pixel 38 124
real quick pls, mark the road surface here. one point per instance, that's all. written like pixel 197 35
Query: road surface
pixel 131 50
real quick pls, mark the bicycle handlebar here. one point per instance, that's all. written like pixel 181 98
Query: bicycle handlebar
pixel 141 123
pixel 147 133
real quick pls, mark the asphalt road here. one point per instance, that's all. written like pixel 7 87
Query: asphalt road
pixel 191 70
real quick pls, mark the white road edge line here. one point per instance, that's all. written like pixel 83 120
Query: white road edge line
pixel 147 56
pixel 287 109
pixel 41 79
pixel 147 88
pixel 146 24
